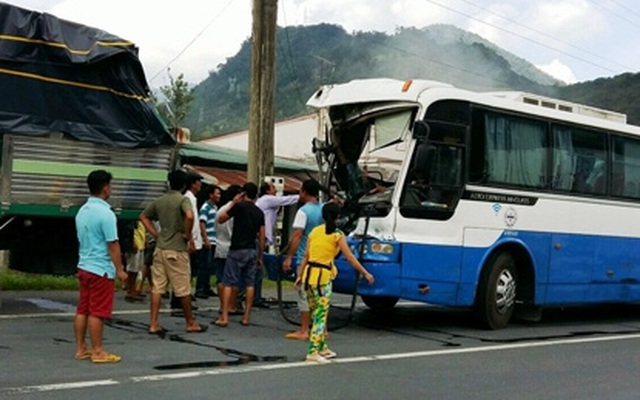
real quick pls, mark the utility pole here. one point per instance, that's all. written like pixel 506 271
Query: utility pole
pixel 263 86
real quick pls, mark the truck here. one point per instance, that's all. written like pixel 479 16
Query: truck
pixel 74 99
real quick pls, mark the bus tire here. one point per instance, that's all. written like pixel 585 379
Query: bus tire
pixel 380 302
pixel 497 292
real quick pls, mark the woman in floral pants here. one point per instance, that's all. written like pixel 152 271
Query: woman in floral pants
pixel 323 245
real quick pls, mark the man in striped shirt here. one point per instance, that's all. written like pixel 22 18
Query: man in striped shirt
pixel 207 223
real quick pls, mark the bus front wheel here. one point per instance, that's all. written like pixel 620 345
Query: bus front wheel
pixel 497 292
pixel 379 302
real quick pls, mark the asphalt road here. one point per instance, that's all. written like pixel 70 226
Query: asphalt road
pixel 415 351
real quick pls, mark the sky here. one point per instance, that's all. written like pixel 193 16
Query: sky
pixel 572 40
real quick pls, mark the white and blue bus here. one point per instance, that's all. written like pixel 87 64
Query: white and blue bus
pixel 499 202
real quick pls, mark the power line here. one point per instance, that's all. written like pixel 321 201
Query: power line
pixel 181 52
pixel 523 37
pixel 547 35
pixel 431 60
pixel 291 64
pixel 627 9
pixel 622 17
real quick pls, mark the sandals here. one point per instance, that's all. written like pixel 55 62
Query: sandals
pixel 108 358
pixel 84 356
pixel 220 323
pixel 296 336
pixel 201 329
pixel 160 331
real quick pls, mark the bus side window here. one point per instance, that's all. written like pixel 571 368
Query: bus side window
pixel 626 167
pixel 579 160
pixel 617 184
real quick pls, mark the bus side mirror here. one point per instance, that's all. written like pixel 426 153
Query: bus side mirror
pixel 421 130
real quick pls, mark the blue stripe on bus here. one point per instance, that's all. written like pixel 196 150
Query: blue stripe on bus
pixel 569 269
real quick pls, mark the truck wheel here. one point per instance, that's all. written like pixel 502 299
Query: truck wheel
pixel 497 292
pixel 380 302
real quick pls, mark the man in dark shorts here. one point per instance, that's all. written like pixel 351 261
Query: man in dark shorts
pixel 174 242
pixel 245 256
pixel 100 260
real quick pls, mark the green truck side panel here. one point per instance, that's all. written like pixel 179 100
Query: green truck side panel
pixel 40 210
pixel 82 170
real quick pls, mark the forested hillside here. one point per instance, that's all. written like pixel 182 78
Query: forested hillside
pixel 308 57
pixel 619 93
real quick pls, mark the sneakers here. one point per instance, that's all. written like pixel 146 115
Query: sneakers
pixel 328 353
pixel 316 358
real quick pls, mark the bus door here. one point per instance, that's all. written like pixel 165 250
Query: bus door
pixel 431 191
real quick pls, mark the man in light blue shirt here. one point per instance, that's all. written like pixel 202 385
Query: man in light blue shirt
pixel 100 260
pixel 308 217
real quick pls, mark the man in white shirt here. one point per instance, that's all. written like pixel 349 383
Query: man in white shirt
pixel 269 202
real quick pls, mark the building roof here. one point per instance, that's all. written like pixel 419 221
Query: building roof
pixel 216 155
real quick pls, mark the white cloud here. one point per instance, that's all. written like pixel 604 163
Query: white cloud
pixel 163 31
pixel 559 71
pixel 580 32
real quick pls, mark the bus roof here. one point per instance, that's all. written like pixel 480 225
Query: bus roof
pixel 561 105
pixel 371 90
pixel 393 90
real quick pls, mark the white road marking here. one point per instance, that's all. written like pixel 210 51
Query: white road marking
pixel 272 367
pixel 72 314
pixel 62 386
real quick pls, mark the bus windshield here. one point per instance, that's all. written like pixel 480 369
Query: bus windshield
pixel 366 144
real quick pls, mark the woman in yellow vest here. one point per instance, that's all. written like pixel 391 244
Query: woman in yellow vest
pixel 323 245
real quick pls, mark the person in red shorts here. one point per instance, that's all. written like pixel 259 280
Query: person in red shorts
pixel 100 260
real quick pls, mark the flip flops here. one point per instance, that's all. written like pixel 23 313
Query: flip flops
pixel 201 329
pixel 296 336
pixel 160 331
pixel 84 356
pixel 220 323
pixel 106 359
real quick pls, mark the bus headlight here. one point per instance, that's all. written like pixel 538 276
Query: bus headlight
pixel 375 250
pixel 382 248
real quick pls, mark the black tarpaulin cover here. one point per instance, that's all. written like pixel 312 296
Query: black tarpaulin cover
pixel 59 76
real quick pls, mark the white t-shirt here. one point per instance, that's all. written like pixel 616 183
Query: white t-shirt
pixel 223 233
pixel 195 231
pixel 269 205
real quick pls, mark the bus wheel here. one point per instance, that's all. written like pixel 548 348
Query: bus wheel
pixel 379 302
pixel 497 293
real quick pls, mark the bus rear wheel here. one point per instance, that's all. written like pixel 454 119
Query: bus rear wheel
pixel 497 292
pixel 380 302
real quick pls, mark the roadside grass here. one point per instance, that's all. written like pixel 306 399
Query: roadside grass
pixel 16 280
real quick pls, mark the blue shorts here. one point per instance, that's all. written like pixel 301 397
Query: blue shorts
pixel 241 266
pixel 218 267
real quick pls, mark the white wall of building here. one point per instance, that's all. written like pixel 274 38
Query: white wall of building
pixel 292 138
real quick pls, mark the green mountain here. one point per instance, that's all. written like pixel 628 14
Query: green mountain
pixel 310 56
pixel 616 94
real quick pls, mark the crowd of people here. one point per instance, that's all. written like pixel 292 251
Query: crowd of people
pixel 175 241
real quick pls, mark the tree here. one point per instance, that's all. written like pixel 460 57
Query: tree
pixel 179 98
